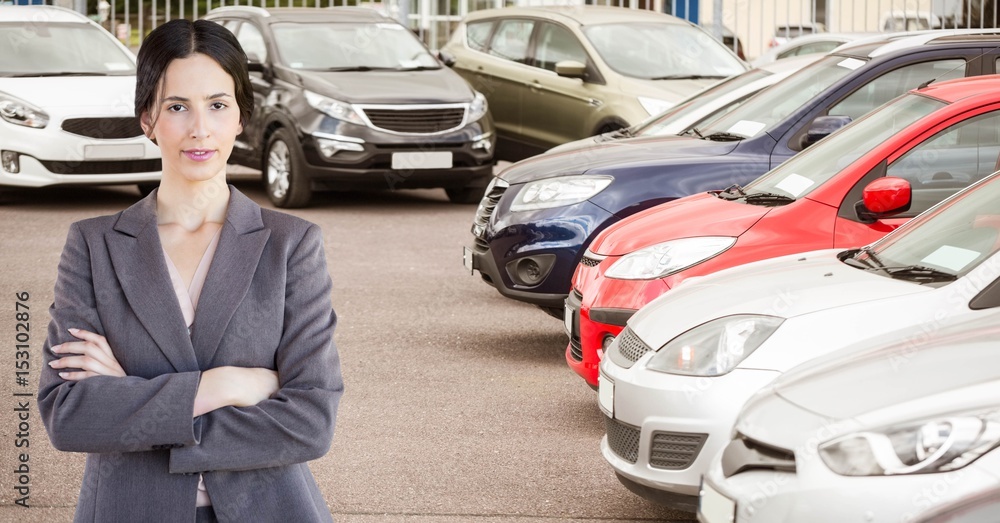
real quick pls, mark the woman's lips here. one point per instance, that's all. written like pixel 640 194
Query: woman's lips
pixel 199 155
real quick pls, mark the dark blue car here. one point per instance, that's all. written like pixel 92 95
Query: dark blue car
pixel 539 215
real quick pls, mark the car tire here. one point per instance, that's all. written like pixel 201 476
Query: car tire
pixel 146 188
pixel 465 195
pixel 285 181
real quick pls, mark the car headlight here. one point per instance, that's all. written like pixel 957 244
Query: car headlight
pixel 556 192
pixel 938 445
pixel 19 112
pixel 478 107
pixel 716 347
pixel 334 108
pixel 654 106
pixel 657 261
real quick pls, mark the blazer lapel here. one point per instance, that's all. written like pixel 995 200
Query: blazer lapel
pixel 137 256
pixel 233 266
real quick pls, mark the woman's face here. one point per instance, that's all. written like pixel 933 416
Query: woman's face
pixel 196 119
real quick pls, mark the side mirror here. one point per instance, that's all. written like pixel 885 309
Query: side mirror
pixel 822 127
pixel 254 64
pixel 446 58
pixel 884 197
pixel 571 69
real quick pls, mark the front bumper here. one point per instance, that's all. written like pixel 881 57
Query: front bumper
pixel 553 239
pixel 654 412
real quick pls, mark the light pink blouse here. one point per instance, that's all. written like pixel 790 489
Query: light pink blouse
pixel 188 300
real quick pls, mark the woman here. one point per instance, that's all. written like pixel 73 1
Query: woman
pixel 190 350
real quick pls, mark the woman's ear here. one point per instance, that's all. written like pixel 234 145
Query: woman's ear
pixel 147 126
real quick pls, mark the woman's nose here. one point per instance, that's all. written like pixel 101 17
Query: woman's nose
pixel 199 125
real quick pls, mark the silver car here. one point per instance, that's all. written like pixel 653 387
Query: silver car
pixel 893 429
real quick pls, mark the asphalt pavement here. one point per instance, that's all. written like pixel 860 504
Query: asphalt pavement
pixel 459 406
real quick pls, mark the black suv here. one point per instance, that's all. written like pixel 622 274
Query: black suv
pixel 346 98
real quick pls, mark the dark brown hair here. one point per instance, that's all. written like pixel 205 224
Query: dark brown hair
pixel 182 38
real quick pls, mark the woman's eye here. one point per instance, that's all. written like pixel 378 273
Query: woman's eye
pixel 219 105
pixel 176 108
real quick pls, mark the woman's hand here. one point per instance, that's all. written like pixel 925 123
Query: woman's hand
pixel 234 386
pixel 93 355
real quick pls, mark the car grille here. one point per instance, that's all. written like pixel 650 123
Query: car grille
pixel 588 261
pixel 744 453
pixel 623 439
pixel 104 128
pixel 417 121
pixel 675 450
pixel 575 346
pixel 630 346
pixel 103 167
pixel 485 211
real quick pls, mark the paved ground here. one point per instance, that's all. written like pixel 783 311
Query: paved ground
pixel 459 405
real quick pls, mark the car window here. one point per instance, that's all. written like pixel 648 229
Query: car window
pixel 510 40
pixel 350 46
pixel 71 48
pixel 950 160
pixel 636 49
pixel 555 44
pixel 896 82
pixel 476 34
pixel 816 47
pixel 252 41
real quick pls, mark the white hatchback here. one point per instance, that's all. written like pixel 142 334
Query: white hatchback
pixel 893 429
pixel 673 382
pixel 67 91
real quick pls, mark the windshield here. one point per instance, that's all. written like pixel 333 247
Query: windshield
pixel 61 48
pixel 774 104
pixel 953 237
pixel 347 46
pixel 653 51
pixel 813 167
pixel 694 103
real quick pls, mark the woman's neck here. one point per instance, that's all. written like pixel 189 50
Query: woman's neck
pixel 191 204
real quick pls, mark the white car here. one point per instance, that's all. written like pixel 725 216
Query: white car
pixel 67 116
pixel 674 380
pixel 807 44
pixel 894 429
pixel 705 105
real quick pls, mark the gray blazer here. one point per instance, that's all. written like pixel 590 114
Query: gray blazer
pixel 265 303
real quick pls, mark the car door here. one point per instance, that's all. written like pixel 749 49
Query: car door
pixel 501 74
pixel 556 109
pixel 873 92
pixel 249 143
pixel 937 167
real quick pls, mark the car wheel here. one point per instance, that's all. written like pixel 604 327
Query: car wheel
pixel 146 188
pixel 465 195
pixel 284 180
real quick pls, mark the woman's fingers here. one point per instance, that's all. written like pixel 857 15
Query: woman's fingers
pixel 93 355
pixel 86 364
pixel 94 338
pixel 88 349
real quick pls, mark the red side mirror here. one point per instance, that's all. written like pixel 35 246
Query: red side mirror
pixel 884 197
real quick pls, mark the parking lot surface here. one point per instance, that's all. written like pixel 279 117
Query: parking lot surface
pixel 458 406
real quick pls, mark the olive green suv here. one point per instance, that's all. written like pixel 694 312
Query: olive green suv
pixel 557 74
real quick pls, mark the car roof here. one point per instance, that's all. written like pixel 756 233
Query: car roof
pixel 889 43
pixel 580 15
pixel 792 63
pixel 954 90
pixel 304 14
pixel 40 14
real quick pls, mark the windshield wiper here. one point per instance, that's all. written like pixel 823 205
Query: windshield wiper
pixel 733 192
pixel 768 198
pixel 724 137
pixel 418 68
pixel 919 273
pixel 361 68
pixel 695 131
pixel 53 73
pixel 688 77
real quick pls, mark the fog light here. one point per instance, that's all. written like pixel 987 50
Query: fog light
pixel 482 142
pixel 531 270
pixel 331 144
pixel 608 339
pixel 10 162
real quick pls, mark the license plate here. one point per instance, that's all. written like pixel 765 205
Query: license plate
pixel 714 507
pixel 422 160
pixel 606 395
pixel 568 313
pixel 467 259
pixel 124 151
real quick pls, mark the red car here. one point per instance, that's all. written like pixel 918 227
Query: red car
pixel 846 191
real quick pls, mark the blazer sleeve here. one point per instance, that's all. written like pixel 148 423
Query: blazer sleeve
pixel 296 424
pixel 106 413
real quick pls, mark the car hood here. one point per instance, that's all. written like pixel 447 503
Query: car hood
pixel 117 93
pixel 814 281
pixel 696 215
pixel 898 378
pixel 631 152
pixel 383 87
